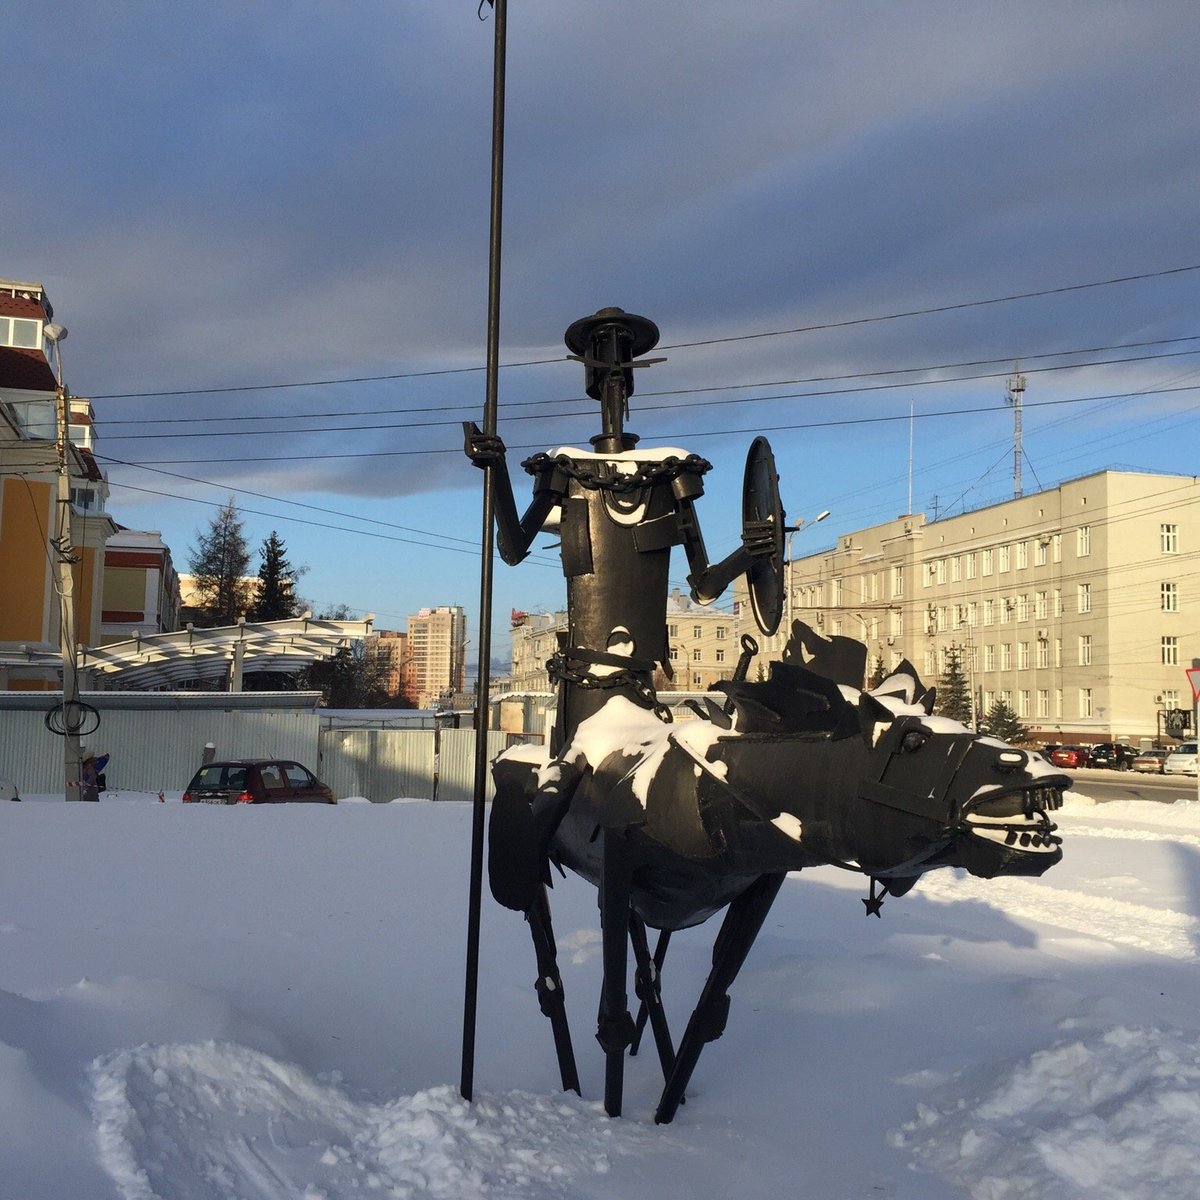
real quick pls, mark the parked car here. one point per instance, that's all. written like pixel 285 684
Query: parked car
pixel 1181 760
pixel 8 791
pixel 1069 756
pixel 1113 756
pixel 256 781
pixel 1150 762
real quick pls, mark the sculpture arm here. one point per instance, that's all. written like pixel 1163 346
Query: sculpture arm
pixel 514 535
pixel 709 580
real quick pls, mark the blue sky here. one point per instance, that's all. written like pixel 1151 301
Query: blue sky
pixel 230 196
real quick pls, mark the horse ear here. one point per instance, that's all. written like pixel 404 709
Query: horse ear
pixel 928 700
pixel 902 681
pixel 872 712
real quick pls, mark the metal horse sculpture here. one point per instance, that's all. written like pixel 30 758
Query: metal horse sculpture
pixel 675 822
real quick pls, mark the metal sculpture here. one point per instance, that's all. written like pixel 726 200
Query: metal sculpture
pixel 673 823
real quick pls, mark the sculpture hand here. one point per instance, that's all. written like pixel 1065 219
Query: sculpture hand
pixel 759 538
pixel 484 450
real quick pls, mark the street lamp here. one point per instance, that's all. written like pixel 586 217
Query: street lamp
pixel 791 531
pixel 72 758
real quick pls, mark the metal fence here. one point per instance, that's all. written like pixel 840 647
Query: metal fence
pixel 155 741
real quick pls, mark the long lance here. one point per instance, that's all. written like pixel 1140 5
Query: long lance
pixel 483 687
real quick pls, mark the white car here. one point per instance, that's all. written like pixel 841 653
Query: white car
pixel 8 791
pixel 1181 760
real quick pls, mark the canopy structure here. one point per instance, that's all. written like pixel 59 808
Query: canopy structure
pixel 226 653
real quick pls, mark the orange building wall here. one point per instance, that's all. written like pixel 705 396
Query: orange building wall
pixel 87 612
pixel 23 533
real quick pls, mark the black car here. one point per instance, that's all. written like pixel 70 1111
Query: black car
pixel 1115 756
pixel 256 781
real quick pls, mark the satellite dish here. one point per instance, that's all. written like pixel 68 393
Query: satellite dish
pixel 762 516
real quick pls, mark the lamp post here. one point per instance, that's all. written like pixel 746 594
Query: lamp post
pixel 791 531
pixel 65 555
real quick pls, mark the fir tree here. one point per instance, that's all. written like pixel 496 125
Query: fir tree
pixel 953 690
pixel 219 563
pixel 877 674
pixel 1003 723
pixel 276 599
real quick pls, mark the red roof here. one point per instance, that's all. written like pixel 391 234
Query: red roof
pixel 26 370
pixel 21 306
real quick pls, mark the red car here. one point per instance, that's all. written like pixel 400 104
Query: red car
pixel 1069 756
pixel 256 781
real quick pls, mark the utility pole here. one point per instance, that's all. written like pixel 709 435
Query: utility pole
pixel 67 558
pixel 1015 396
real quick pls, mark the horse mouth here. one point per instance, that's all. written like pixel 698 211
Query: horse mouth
pixel 1018 819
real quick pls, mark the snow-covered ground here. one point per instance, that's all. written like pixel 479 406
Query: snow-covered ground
pixel 204 1003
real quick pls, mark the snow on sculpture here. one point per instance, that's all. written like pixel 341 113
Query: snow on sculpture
pixel 674 823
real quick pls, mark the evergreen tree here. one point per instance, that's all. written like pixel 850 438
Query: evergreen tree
pixel 219 563
pixel 276 599
pixel 953 690
pixel 877 674
pixel 352 678
pixel 1003 723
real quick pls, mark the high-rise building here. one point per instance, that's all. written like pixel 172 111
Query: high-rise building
pixel 388 648
pixel 437 641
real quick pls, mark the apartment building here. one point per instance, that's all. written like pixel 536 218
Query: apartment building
pixel 30 608
pixel 437 641
pixel 388 648
pixel 1077 605
pixel 141 594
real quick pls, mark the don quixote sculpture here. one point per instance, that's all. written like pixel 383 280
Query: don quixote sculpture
pixel 675 822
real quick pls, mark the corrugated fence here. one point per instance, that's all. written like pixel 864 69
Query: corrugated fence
pixel 155 741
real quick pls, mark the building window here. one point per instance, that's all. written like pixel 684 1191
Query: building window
pixel 1168 539
pixel 1006 656
pixel 1039 559
pixel 1056 555
pixel 986 565
pixel 895 622
pixel 835 593
pixel 672 630
pixel 1170 698
pixel 697 631
pixel 930 664
pixel 1023 607
pixel 1040 607
pixel 1058 602
pixel 1083 541
pixel 989 612
pixel 926 574
pixel 955 569
pixel 1085 597
pixel 1022 656
pixel 1043 708
pixel 971 564
pixel 1169 594
pixel 721 633
pixel 989 657
pixel 1022 555
pixel 672 653
pixel 939 571
pixel 1043 653
pixel 1006 610
pixel 696 681
pixel 21 332
pixel 1023 702
pixel 720 656
pixel 1085 649
pixel 1085 702
pixel 898 580
pixel 1058 654
pixel 1058 702
pixel 1170 652
pixel 1005 560
pixel 695 656
pixel 972 614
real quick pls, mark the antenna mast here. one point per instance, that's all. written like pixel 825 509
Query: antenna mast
pixel 1014 396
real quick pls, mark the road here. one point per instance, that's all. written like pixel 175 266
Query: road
pixel 1105 786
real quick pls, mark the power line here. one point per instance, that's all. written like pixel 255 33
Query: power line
pixel 979 362
pixel 742 337
pixel 696 435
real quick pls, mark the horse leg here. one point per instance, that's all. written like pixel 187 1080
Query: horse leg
pixel 614 1029
pixel 649 990
pixel 741 926
pixel 550 988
